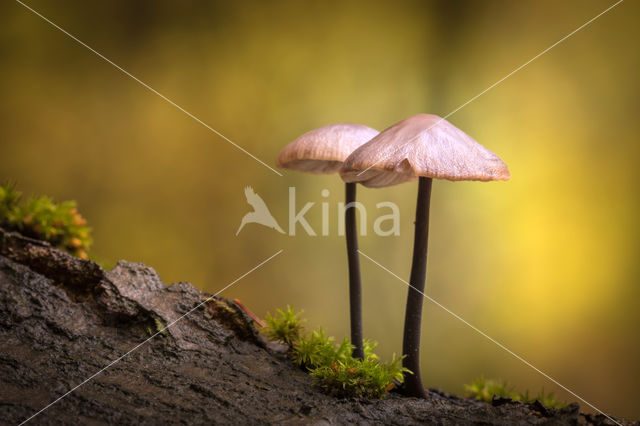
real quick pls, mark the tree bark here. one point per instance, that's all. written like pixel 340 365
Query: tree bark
pixel 64 320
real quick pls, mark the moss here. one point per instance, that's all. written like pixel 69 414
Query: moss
pixel 157 325
pixel 41 218
pixel 345 376
pixel 285 326
pixel 161 326
pixel 332 366
pixel 485 389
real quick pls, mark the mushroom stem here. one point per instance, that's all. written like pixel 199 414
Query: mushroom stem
pixel 413 314
pixel 355 287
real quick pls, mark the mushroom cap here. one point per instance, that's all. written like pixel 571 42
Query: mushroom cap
pixel 422 145
pixel 323 150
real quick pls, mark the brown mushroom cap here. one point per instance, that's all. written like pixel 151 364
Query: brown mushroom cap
pixel 422 145
pixel 324 150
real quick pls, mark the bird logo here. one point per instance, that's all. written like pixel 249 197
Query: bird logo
pixel 260 213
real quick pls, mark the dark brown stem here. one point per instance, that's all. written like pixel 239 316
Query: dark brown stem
pixel 413 315
pixel 355 287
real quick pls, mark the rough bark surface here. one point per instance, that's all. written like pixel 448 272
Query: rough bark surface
pixel 63 319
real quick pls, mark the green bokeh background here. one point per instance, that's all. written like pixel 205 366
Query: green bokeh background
pixel 547 263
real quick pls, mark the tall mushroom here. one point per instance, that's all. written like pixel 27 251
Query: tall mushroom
pixel 323 151
pixel 423 146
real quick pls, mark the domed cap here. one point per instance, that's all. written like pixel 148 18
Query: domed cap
pixel 422 145
pixel 324 150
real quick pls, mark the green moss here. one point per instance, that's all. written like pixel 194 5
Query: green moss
pixel 285 326
pixel 346 376
pixel 161 326
pixel 9 198
pixel 484 389
pixel 158 325
pixel 41 218
pixel 333 368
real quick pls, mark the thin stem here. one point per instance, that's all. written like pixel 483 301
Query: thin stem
pixel 413 315
pixel 355 287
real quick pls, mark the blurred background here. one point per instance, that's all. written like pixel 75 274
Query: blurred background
pixel 546 263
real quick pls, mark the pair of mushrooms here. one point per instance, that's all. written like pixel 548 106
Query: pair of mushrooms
pixel 420 147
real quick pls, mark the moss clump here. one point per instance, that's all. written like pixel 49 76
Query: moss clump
pixel 161 326
pixel 58 223
pixel 485 389
pixel 156 326
pixel 285 326
pixel 346 376
pixel 332 366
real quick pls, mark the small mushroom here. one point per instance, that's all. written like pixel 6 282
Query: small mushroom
pixel 420 147
pixel 322 151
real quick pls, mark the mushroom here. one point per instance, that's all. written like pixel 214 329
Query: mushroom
pixel 322 151
pixel 422 147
